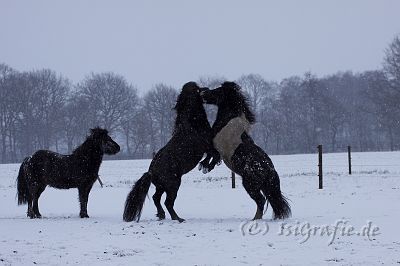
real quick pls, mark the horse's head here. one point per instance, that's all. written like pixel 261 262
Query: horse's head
pixel 228 91
pixel 229 97
pixel 189 97
pixel 107 144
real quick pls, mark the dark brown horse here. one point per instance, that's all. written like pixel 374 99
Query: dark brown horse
pixel 240 153
pixel 192 137
pixel 78 170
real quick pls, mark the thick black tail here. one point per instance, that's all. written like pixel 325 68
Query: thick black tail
pixel 279 203
pixel 22 185
pixel 135 200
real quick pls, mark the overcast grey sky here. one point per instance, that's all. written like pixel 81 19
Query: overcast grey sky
pixel 176 41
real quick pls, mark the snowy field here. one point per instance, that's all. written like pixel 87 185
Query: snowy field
pixel 365 207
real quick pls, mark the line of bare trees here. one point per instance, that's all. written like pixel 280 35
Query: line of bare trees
pixel 43 110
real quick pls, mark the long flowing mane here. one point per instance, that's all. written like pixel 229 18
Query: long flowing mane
pixel 83 148
pixel 180 114
pixel 87 145
pixel 190 111
pixel 240 100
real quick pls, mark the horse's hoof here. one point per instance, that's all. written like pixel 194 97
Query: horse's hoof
pixel 84 215
pixel 257 217
pixel 161 216
pixel 180 220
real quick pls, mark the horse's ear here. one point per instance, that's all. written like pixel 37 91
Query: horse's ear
pixel 238 88
pixel 94 130
pixel 98 130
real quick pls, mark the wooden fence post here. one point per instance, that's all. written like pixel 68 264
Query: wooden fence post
pixel 233 180
pixel 349 157
pixel 320 186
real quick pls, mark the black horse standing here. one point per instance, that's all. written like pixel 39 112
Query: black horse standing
pixel 192 137
pixel 78 170
pixel 240 153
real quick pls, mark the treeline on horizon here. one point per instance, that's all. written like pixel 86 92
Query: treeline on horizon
pixel 43 110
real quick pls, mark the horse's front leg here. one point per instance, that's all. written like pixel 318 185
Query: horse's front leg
pixel 216 159
pixel 83 199
pixel 206 165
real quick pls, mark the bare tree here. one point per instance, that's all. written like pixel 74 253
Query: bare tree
pixel 391 67
pixel 50 93
pixel 271 125
pixel 257 89
pixel 391 64
pixel 109 97
pixel 130 124
pixel 140 134
pixel 379 93
pixel 7 109
pixel 77 120
pixel 159 103
pixel 289 104
pixel 39 97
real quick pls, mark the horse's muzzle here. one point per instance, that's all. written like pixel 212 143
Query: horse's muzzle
pixel 112 148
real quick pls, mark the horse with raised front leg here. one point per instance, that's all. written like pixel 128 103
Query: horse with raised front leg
pixel 191 138
pixel 240 153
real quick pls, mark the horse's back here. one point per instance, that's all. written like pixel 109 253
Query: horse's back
pixel 50 168
pixel 48 154
pixel 180 155
pixel 48 158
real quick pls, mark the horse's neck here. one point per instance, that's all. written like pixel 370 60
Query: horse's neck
pixel 188 122
pixel 228 130
pixel 224 115
pixel 89 152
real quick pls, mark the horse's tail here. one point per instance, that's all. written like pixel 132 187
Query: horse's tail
pixel 135 200
pixel 279 203
pixel 22 185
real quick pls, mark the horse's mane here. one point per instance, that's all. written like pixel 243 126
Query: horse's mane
pixel 238 100
pixel 87 144
pixel 84 147
pixel 189 110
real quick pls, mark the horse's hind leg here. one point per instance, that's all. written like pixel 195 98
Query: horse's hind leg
pixel 157 198
pixel 35 202
pixel 253 189
pixel 172 192
pixel 35 189
pixel 30 212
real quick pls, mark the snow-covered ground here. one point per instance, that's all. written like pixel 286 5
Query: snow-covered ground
pixel 217 230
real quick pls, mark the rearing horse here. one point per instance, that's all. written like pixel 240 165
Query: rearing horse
pixel 240 153
pixel 191 138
